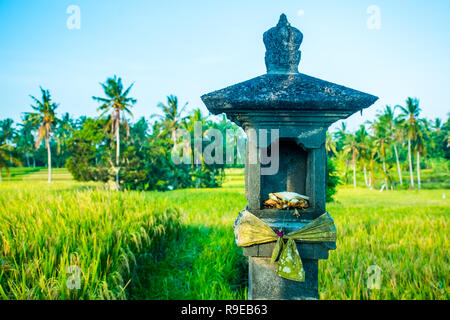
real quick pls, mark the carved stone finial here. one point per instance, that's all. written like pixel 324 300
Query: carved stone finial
pixel 282 47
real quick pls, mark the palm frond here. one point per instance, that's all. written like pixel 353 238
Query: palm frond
pixel 40 135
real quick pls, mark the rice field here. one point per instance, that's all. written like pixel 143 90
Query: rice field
pixel 76 241
pixel 403 233
pixel 180 244
pixel 36 174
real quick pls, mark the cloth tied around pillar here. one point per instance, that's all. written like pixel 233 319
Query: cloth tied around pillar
pixel 250 230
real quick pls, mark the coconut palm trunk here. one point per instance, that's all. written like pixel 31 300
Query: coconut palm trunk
pixel 418 169
pixel 399 169
pixel 354 171
pixel 385 174
pixel 411 124
pixel 410 163
pixel 117 148
pixel 365 176
pixel 49 159
pixel 346 172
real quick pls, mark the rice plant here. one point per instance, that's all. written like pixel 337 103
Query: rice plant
pixel 180 244
pixel 50 235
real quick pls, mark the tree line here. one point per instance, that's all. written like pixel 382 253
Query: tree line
pixel 137 155
pixel 397 141
pixel 110 147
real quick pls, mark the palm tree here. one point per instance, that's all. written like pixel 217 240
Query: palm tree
pixel 195 116
pixel 330 145
pixel 352 148
pixel 437 124
pixel 172 115
pixel 24 140
pixel 63 131
pixel 410 123
pixel 7 133
pixel 394 129
pixel 446 127
pixel 342 165
pixel 237 139
pixel 436 137
pixel 45 118
pixel 383 130
pixel 420 146
pixel 340 135
pixel 361 137
pixel 189 123
pixel 371 151
pixel 116 102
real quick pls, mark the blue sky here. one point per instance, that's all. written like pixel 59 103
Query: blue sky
pixel 189 48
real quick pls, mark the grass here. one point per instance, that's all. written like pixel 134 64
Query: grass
pixel 58 174
pixel 46 229
pixel 37 174
pixel 204 263
pixel 180 244
pixel 16 174
pixel 405 233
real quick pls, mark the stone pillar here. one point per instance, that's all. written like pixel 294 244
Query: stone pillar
pixel 265 283
pixel 300 108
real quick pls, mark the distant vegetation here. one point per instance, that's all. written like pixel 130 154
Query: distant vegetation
pixel 393 150
pixel 398 149
pixel 135 155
